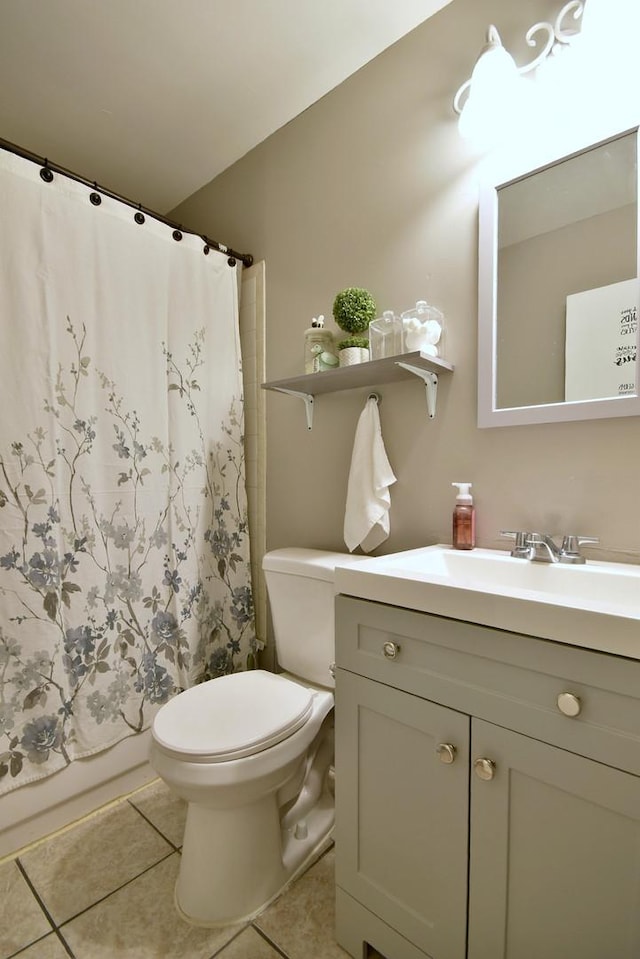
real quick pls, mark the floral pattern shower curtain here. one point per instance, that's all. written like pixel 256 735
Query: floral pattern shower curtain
pixel 124 552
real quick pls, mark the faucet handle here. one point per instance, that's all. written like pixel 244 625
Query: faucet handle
pixel 572 544
pixel 521 548
pixel 570 550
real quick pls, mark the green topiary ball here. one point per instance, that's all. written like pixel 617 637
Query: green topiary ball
pixel 353 310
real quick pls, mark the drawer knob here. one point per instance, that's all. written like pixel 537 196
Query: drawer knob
pixel 484 769
pixel 569 704
pixel 446 753
pixel 390 650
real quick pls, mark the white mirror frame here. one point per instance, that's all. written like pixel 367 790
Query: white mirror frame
pixel 488 412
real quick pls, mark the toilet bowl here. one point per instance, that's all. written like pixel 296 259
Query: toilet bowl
pixel 252 754
pixel 237 852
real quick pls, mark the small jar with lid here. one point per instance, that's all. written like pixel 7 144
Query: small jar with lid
pixel 319 348
pixel 385 336
pixel 423 328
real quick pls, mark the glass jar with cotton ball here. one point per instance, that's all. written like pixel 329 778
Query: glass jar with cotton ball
pixel 423 329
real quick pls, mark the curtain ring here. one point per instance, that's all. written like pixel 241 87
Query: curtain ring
pixel 232 261
pixel 177 235
pixel 139 218
pixel 45 172
pixel 95 198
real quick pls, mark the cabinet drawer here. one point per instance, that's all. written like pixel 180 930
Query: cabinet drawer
pixel 506 678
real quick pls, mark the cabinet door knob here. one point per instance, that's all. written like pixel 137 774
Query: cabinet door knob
pixel 446 753
pixel 390 650
pixel 569 704
pixel 484 769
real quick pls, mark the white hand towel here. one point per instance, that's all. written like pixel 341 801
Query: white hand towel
pixel 366 520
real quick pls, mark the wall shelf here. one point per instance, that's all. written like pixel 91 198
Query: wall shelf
pixel 374 373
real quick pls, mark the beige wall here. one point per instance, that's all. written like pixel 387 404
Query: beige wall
pixel 373 187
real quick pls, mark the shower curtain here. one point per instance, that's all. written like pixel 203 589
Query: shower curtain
pixel 124 552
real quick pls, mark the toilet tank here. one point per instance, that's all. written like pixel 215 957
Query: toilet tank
pixel 301 595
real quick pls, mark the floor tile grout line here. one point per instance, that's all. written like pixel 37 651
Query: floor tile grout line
pixel 48 915
pixel 274 945
pixel 219 951
pixel 66 922
pixel 35 893
pixel 153 825
pixel 16 955
pixel 65 944
pixel 53 932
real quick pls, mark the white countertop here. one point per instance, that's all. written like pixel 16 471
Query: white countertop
pixel 595 606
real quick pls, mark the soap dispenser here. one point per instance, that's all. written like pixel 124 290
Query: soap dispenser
pixel 464 519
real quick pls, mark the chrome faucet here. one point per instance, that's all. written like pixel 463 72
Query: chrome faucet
pixel 540 547
pixel 543 549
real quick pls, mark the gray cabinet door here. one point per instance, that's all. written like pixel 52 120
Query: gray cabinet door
pixel 402 813
pixel 555 853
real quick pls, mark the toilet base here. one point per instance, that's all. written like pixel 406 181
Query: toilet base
pixel 236 862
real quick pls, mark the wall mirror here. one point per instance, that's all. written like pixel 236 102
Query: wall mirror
pixel 559 263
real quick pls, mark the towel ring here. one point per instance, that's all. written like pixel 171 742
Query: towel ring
pixel 376 397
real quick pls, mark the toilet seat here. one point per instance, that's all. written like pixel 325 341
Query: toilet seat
pixel 242 714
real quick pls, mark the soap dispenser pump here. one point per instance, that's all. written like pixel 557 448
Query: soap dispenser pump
pixel 464 518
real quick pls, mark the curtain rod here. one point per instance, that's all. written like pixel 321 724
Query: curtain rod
pixel 245 258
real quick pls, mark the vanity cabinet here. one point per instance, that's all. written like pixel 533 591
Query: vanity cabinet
pixel 474 819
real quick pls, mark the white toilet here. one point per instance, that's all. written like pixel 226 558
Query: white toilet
pixel 252 753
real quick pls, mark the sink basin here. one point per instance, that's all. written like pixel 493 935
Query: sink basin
pixel 594 585
pixel 596 605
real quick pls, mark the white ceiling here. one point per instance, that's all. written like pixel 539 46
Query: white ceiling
pixel 153 98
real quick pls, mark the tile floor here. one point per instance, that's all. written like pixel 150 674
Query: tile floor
pixel 103 889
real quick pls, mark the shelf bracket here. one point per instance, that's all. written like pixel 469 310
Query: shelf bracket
pixel 307 398
pixel 431 385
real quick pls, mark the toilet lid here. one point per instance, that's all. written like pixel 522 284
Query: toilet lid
pixel 232 716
